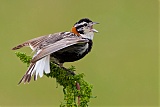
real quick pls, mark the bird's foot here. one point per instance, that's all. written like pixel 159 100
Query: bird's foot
pixel 61 66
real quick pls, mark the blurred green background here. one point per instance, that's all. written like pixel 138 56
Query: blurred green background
pixel 123 65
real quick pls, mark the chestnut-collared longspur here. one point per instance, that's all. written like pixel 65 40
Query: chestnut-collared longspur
pixel 61 47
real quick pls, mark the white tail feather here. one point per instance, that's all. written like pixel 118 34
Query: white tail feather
pixel 43 65
pixel 38 68
pixel 47 65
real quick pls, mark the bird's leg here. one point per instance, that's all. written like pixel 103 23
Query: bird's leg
pixel 61 66
pixel 69 71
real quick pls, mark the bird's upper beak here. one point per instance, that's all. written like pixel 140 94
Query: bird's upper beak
pixel 95 23
pixel 94 30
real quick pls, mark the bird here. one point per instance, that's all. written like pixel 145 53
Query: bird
pixel 59 47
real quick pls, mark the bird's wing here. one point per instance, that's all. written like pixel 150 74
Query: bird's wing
pixel 27 43
pixel 41 41
pixel 61 44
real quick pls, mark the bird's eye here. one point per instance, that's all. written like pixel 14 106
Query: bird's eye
pixel 85 24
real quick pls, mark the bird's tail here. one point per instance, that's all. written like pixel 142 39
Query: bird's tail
pixel 37 68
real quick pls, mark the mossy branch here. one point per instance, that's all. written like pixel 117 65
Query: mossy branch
pixel 74 86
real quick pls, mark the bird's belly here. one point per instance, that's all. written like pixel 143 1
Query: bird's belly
pixel 72 53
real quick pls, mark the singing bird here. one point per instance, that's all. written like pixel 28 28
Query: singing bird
pixel 60 47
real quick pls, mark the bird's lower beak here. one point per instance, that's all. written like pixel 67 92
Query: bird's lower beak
pixel 94 30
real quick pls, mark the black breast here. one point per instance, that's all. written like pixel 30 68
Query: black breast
pixel 73 53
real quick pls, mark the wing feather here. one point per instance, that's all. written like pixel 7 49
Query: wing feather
pixel 27 43
pixel 40 41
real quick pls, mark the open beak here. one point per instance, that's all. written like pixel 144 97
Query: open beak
pixel 94 30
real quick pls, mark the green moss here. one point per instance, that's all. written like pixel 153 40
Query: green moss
pixel 68 82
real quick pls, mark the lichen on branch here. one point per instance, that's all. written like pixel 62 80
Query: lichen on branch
pixel 68 82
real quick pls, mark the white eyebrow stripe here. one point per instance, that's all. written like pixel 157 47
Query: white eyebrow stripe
pixel 82 23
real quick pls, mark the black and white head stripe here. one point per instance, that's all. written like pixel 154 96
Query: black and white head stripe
pixel 81 24
pixel 83 21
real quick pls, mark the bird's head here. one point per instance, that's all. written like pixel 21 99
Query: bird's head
pixel 84 28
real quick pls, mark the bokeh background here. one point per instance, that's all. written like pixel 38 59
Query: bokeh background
pixel 123 65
